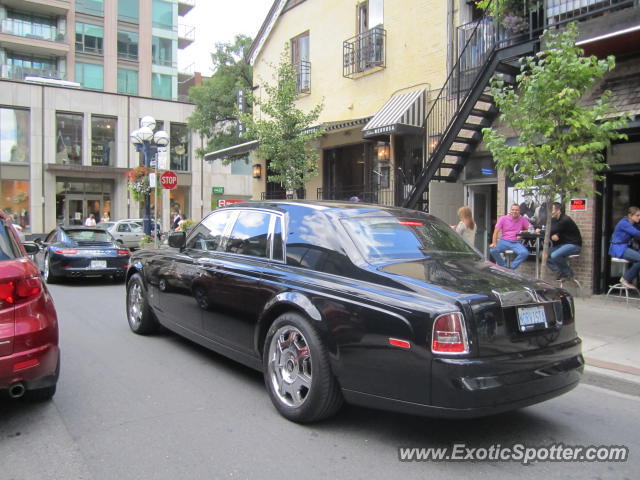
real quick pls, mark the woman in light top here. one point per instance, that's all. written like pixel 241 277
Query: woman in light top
pixel 466 227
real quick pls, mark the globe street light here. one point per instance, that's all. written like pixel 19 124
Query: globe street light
pixel 147 142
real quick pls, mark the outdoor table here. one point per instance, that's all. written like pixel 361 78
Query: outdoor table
pixel 537 237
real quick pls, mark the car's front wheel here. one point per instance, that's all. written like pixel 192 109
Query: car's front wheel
pixel 139 314
pixel 297 371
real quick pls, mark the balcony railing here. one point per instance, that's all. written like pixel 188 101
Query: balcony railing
pixel 303 76
pixel 186 35
pixel 14 72
pixel 364 52
pixel 26 29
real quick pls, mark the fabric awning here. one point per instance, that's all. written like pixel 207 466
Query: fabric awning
pixel 234 151
pixel 402 114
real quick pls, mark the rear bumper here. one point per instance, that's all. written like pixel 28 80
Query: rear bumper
pixel 90 272
pixel 41 375
pixel 467 388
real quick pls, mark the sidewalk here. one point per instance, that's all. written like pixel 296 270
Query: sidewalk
pixel 610 332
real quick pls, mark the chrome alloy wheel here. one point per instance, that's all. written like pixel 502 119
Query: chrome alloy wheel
pixel 136 305
pixel 290 366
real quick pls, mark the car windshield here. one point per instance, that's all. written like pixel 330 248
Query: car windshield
pixel 8 249
pixel 88 236
pixel 105 225
pixel 392 238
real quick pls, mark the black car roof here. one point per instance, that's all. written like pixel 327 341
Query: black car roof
pixel 340 208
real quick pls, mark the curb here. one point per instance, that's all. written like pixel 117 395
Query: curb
pixel 615 380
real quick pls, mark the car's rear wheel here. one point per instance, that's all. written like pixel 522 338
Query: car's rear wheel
pixel 297 371
pixel 46 274
pixel 139 314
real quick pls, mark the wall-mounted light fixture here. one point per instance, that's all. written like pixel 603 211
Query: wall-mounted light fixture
pixel 257 170
pixel 383 152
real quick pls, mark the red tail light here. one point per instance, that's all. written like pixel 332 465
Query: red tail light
pixel 67 252
pixel 19 290
pixel 449 334
pixel 124 252
pixel 411 223
pixel 28 287
pixel 7 292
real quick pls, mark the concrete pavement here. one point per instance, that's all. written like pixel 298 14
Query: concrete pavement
pixel 610 331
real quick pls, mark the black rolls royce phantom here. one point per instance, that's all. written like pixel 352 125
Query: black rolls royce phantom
pixel 377 306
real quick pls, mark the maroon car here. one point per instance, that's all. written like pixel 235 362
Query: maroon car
pixel 29 353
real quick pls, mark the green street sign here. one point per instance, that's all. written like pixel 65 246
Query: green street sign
pixel 217 190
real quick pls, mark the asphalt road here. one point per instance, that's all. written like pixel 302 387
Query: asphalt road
pixel 159 407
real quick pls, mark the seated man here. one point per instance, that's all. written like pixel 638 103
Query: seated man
pixel 508 228
pixel 566 239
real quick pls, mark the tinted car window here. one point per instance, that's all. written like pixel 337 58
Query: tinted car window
pixel 208 234
pixel 249 234
pixel 52 237
pixel 312 243
pixel 123 227
pixel 387 238
pixel 88 236
pixel 8 248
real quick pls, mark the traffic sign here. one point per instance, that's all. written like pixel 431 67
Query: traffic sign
pixel 169 180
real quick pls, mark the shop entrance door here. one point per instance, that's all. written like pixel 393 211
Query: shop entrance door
pixel 482 201
pixel 621 192
pixel 78 207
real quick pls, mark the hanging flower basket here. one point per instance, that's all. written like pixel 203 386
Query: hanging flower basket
pixel 138 182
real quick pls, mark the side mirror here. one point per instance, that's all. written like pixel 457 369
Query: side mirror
pixel 177 240
pixel 31 248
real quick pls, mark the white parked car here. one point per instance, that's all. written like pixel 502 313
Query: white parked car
pixel 127 233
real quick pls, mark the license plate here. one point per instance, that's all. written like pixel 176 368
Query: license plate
pixel 98 264
pixel 531 318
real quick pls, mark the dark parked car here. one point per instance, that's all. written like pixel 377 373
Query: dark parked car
pixel 29 353
pixel 379 306
pixel 77 251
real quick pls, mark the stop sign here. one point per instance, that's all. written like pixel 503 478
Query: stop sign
pixel 169 180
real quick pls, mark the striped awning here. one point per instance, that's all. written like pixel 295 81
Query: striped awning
pixel 234 151
pixel 402 114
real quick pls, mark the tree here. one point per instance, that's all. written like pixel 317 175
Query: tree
pixel 561 139
pixel 216 116
pixel 285 133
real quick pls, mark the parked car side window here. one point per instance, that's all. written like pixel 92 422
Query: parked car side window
pixel 123 227
pixel 208 234
pixel 8 248
pixel 249 235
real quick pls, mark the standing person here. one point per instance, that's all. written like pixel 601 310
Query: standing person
pixel 181 218
pixel 505 237
pixel 566 239
pixel 466 227
pixel 90 221
pixel 176 219
pixel 627 229
pixel 105 216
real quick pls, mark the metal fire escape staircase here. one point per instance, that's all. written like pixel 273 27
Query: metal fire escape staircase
pixel 464 106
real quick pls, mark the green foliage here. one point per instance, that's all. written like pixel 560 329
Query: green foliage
pixel 187 225
pixel 285 133
pixel 215 116
pixel 146 241
pixel 561 140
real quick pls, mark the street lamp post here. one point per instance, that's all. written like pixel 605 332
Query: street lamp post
pixel 147 142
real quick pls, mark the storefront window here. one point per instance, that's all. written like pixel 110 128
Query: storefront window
pixel 69 138
pixel 76 199
pixel 14 200
pixel 179 199
pixel 103 138
pixel 14 135
pixel 179 147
